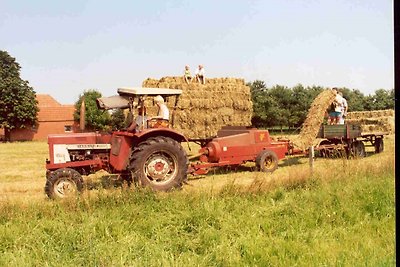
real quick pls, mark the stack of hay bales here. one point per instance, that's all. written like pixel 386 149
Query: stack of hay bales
pixel 315 118
pixel 373 121
pixel 202 110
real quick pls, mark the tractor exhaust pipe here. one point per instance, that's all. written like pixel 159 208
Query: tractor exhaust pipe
pixel 82 115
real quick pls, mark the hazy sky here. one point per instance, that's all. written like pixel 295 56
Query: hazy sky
pixel 65 47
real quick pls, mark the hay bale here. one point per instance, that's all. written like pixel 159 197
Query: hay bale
pixel 373 121
pixel 202 110
pixel 315 118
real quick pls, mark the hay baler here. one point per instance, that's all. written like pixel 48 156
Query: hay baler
pixel 235 145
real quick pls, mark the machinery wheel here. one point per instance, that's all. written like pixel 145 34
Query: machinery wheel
pixel 63 183
pixel 160 163
pixel 325 152
pixel 267 161
pixel 378 145
pixel 358 149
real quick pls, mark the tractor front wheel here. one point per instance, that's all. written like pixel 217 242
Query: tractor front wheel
pixel 267 161
pixel 159 163
pixel 63 183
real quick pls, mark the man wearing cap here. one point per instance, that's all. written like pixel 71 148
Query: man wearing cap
pixel 140 121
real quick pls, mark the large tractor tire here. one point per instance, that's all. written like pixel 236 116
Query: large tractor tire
pixel 63 183
pixel 267 161
pixel 159 163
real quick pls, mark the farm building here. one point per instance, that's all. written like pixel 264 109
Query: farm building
pixel 53 118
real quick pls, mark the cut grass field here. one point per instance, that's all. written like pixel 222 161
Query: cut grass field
pixel 340 214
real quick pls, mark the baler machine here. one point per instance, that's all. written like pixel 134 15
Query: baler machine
pixel 235 145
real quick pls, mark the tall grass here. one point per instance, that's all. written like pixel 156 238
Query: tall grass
pixel 340 214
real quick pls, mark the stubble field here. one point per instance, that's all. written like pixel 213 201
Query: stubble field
pixel 340 213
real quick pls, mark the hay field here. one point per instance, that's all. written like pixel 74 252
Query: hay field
pixel 342 214
pixel 22 172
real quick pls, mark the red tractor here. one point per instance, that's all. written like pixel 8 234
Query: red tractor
pixel 152 156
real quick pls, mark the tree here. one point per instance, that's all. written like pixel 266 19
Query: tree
pixel 383 99
pixel 118 119
pixel 355 99
pixel 95 119
pixel 283 110
pixel 18 104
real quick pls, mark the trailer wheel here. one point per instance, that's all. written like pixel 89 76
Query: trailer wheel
pixel 63 183
pixel 378 145
pixel 267 161
pixel 159 163
pixel 358 149
pixel 325 152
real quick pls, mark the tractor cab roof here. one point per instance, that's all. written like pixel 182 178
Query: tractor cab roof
pixel 141 91
pixel 127 94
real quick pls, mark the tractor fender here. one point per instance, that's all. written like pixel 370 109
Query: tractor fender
pixel 166 132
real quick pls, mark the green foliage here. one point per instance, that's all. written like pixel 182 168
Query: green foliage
pixel 117 119
pixel 383 99
pixel 95 119
pixel 283 107
pixel 18 104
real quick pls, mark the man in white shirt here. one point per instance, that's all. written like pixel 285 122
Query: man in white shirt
pixel 200 74
pixel 344 109
pixel 336 110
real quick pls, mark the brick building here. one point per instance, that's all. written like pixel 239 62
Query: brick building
pixel 53 118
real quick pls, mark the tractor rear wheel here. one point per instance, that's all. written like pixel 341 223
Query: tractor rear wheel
pixel 159 163
pixel 267 161
pixel 63 183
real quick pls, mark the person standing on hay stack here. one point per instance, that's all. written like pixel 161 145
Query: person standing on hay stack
pixel 335 108
pixel 162 118
pixel 187 76
pixel 200 75
pixel 344 109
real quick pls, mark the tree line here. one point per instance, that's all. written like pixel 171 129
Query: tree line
pixel 281 106
pixel 276 106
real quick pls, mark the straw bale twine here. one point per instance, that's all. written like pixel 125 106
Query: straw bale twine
pixel 202 110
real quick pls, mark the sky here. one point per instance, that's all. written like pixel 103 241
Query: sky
pixel 67 47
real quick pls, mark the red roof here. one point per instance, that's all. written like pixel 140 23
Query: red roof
pixel 47 101
pixel 51 110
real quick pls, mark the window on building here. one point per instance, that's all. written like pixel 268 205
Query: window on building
pixel 68 128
